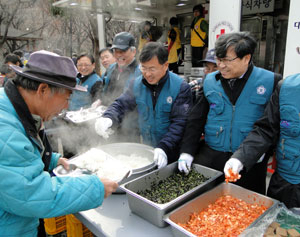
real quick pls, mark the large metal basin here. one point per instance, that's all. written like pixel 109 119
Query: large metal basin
pixel 115 149
pixel 154 212
pixel 182 214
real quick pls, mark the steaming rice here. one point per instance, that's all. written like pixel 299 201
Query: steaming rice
pixel 135 161
pixel 101 164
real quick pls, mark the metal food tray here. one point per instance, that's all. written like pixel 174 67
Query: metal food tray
pixel 154 212
pixel 128 149
pixel 60 171
pixel 182 214
pixel 85 115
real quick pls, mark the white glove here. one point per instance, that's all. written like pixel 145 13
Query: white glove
pixel 234 164
pixel 160 158
pixel 184 162
pixel 102 125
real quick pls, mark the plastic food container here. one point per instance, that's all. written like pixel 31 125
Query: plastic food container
pixel 154 212
pixel 182 214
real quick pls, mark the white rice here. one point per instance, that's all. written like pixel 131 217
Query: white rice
pixel 101 164
pixel 135 161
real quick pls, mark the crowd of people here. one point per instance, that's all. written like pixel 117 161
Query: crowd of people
pixel 232 120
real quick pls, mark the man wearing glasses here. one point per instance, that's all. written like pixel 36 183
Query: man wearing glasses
pixel 88 78
pixel 231 100
pixel 162 100
pixel 125 69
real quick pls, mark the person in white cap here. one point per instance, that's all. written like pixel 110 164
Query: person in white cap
pixel 28 192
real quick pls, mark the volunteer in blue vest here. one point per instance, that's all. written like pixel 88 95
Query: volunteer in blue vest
pixel 230 102
pixel 174 45
pixel 162 100
pixel 125 69
pixel 199 35
pixel 88 78
pixel 28 192
pixel 106 57
pixel 280 127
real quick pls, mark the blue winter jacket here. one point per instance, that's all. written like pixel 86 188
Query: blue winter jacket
pixel 177 112
pixel 27 191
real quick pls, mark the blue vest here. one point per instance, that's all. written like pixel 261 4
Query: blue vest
pixel 154 124
pixel 227 125
pixel 288 147
pixel 107 76
pixel 80 99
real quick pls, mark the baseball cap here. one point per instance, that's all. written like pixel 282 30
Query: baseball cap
pixel 123 41
pixel 210 56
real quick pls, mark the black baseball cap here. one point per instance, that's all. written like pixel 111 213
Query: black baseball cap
pixel 123 41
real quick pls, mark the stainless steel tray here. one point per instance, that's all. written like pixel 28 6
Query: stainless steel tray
pixel 85 115
pixel 127 148
pixel 182 214
pixel 108 163
pixel 154 212
pixel 115 149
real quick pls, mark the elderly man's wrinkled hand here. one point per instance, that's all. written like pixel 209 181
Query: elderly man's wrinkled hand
pixel 109 186
pixel 64 162
pixel 102 126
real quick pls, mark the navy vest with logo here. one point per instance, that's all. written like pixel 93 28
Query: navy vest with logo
pixel 288 147
pixel 227 125
pixel 154 123
pixel 80 99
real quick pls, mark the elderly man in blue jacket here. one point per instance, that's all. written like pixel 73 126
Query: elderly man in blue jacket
pixel 162 100
pixel 28 192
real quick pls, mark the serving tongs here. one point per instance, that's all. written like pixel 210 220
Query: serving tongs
pixel 124 177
